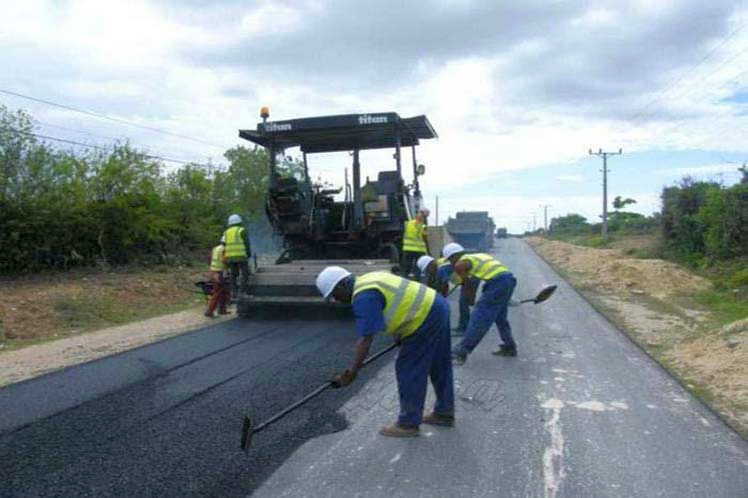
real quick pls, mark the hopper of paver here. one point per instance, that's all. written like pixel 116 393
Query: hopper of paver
pixel 287 290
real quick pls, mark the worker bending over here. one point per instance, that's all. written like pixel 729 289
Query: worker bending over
pixel 415 243
pixel 221 295
pixel 498 286
pixel 237 253
pixel 418 319
pixel 438 274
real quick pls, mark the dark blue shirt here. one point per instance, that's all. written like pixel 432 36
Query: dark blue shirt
pixel 368 307
pixel 444 273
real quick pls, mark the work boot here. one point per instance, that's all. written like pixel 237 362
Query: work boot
pixel 505 351
pixel 224 312
pixel 209 314
pixel 434 418
pixel 396 430
pixel 459 359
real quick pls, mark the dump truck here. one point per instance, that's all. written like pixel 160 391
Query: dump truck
pixel 358 225
pixel 474 230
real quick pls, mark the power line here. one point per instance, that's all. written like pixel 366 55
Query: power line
pixel 672 84
pixel 110 118
pixel 75 130
pixel 106 149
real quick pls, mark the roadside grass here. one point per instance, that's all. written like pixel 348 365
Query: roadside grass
pixel 46 307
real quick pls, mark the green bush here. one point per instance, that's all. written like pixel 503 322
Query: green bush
pixel 60 209
pixel 739 279
pixel 705 221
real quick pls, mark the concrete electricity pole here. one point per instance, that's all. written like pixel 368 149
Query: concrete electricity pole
pixel 545 216
pixel 605 155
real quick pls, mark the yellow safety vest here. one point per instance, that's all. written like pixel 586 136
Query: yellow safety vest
pixel 484 266
pixel 407 303
pixel 235 248
pixel 455 278
pixel 413 237
pixel 216 259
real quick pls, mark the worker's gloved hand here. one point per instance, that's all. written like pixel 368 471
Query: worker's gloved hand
pixel 344 379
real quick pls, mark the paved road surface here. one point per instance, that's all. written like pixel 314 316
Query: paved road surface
pixel 581 412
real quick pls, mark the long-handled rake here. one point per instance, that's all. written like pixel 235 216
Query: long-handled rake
pixel 248 430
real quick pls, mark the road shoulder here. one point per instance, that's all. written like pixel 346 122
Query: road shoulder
pixel 648 300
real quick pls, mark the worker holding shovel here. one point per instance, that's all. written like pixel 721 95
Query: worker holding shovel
pixel 418 319
pixel 498 287
pixel 438 274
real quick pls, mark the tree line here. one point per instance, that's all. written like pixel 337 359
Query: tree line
pixel 700 221
pixel 65 208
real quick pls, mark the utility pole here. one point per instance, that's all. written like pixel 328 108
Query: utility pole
pixel 545 216
pixel 605 155
pixel 437 211
pixel 534 222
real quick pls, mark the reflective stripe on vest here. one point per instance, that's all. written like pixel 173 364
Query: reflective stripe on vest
pixel 407 303
pixel 454 278
pixel 413 237
pixel 235 242
pixel 484 266
pixel 216 259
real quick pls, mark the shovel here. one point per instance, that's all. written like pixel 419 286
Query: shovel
pixel 248 430
pixel 545 293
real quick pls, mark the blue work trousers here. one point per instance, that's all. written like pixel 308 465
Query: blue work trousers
pixel 491 308
pixel 423 355
pixel 464 317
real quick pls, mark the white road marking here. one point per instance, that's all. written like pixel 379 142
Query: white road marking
pixel 595 406
pixel 553 456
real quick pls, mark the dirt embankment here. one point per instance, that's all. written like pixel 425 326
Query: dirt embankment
pixel 652 300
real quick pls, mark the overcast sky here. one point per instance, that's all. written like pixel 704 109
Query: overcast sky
pixel 517 91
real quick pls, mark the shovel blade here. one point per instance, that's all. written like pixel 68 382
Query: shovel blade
pixel 544 294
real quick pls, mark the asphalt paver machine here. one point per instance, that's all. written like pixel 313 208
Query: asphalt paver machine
pixel 358 225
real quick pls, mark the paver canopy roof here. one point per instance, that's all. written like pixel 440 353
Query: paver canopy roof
pixel 342 132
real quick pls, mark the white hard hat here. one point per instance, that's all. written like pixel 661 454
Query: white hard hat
pixel 423 262
pixel 223 239
pixel 451 249
pixel 425 211
pixel 234 219
pixel 329 278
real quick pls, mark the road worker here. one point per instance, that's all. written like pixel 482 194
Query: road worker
pixel 498 286
pixel 221 295
pixel 415 243
pixel 418 319
pixel 237 253
pixel 438 274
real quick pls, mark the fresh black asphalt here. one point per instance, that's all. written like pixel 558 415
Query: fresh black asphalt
pixel 581 412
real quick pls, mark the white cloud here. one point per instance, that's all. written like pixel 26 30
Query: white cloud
pixel 571 178
pixel 710 169
pixel 495 107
